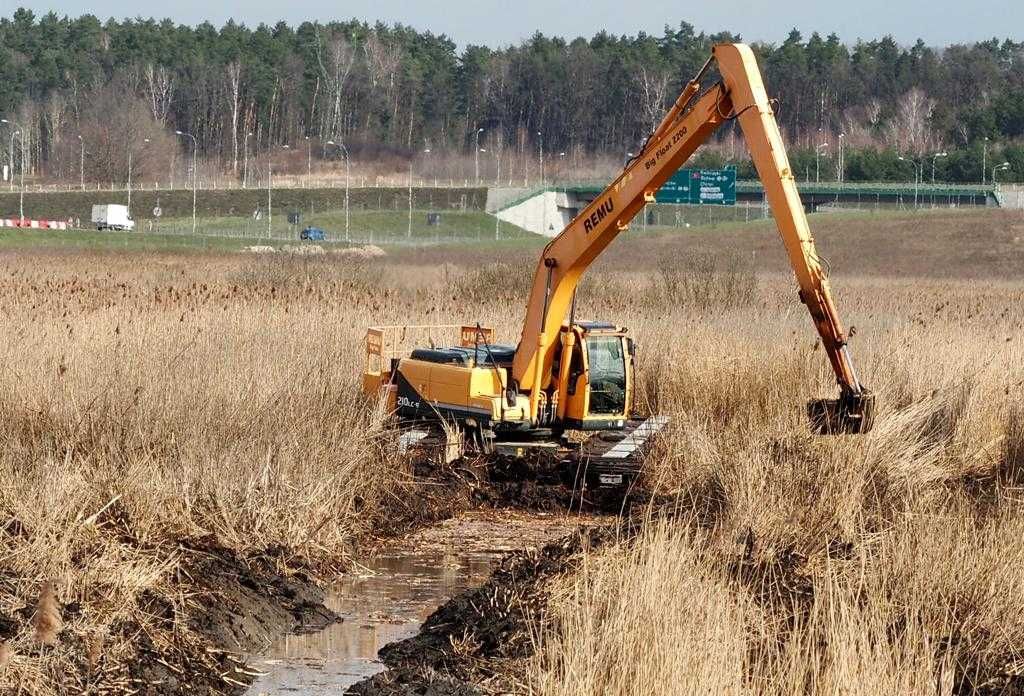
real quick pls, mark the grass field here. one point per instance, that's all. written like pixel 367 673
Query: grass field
pixel 157 405
pixel 365 226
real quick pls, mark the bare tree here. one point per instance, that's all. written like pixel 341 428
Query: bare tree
pixel 55 112
pixel 234 79
pixel 654 89
pixel 910 129
pixel 335 57
pixel 159 91
pixel 383 60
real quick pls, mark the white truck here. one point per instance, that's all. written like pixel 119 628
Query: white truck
pixel 112 217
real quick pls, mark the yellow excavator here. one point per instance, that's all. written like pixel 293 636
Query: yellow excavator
pixel 579 375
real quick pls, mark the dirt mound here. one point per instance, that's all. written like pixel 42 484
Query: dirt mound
pixel 241 605
pixel 367 251
pixel 476 635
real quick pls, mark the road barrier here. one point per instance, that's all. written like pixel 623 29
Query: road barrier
pixel 26 223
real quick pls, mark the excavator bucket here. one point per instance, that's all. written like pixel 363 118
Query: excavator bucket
pixel 850 414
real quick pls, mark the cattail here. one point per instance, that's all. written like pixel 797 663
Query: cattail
pixel 47 622
pixel 6 653
pixel 95 652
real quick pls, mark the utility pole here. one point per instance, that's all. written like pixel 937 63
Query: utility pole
pixel 195 155
pixel 344 151
pixel 476 154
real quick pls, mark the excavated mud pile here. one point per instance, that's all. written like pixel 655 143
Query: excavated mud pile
pixel 472 643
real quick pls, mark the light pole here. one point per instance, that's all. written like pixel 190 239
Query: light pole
pixel 540 140
pixel 476 154
pixel 14 131
pixel 918 174
pixel 144 141
pixel 409 232
pixel 344 150
pixel 11 151
pixel 842 158
pixel 935 157
pixel 309 159
pixel 817 159
pixel 81 163
pixel 195 154
pixel 270 181
pixel 21 186
pixel 984 159
pixel 998 168
pixel 245 160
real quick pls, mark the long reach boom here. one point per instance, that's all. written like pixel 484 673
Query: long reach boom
pixel 740 96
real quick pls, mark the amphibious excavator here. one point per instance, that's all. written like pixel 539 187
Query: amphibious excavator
pixel 568 375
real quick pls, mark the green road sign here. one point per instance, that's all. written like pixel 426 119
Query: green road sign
pixel 700 187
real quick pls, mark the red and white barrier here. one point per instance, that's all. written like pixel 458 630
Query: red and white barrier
pixel 35 224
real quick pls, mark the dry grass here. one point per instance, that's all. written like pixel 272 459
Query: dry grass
pixel 154 405
pixel 884 564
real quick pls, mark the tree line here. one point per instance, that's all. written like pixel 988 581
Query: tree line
pixel 388 91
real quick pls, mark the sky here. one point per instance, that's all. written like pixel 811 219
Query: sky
pixel 494 23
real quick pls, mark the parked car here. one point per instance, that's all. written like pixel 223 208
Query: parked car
pixel 312 234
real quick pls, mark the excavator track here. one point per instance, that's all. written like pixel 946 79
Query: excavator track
pixel 607 461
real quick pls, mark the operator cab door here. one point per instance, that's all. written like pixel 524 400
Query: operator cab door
pixel 600 382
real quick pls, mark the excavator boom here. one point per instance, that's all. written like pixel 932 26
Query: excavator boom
pixel 740 96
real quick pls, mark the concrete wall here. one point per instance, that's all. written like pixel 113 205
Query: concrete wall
pixel 547 213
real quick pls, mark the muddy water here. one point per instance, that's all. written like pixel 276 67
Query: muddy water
pixel 389 595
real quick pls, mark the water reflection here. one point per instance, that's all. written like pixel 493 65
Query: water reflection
pixel 389 596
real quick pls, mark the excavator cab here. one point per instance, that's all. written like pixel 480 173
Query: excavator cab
pixel 597 392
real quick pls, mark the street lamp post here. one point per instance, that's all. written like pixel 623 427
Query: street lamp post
pixel 817 160
pixel 935 157
pixel 81 163
pixel 984 159
pixel 14 128
pixel 998 168
pixel 309 159
pixel 14 132
pixel 344 151
pixel 409 232
pixel 21 186
pixel 476 153
pixel 245 160
pixel 918 175
pixel 270 181
pixel 195 155
pixel 144 140
pixel 540 140
pixel 842 158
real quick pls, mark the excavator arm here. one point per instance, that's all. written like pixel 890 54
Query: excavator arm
pixel 740 95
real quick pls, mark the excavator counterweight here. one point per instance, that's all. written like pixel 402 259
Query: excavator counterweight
pixel 575 375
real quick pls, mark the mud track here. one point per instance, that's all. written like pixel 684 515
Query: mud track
pixel 241 604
